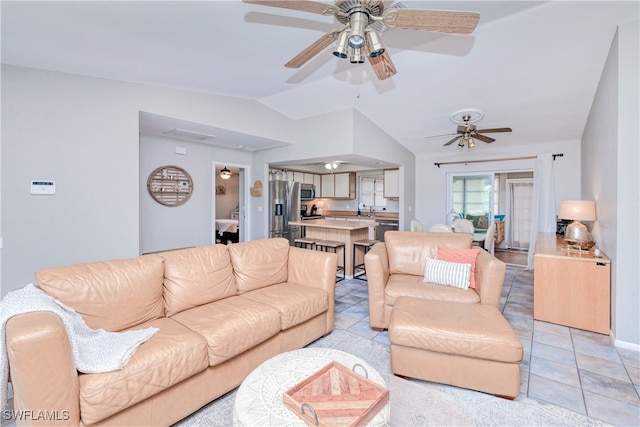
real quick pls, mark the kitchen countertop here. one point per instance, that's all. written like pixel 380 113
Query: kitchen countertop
pixel 337 224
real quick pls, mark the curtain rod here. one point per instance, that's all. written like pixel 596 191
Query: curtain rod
pixel 494 160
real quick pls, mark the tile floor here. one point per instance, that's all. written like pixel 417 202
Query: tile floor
pixel 578 370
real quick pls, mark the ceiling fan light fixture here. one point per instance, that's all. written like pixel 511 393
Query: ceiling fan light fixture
pixel 376 48
pixel 342 46
pixel 470 142
pixel 225 173
pixel 358 22
pixel 356 56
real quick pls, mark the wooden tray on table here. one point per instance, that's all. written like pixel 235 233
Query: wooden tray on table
pixel 336 395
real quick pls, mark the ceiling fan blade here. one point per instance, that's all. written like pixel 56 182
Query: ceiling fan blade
pixel 494 130
pixel 305 6
pixel 439 136
pixel 453 140
pixel 443 21
pixel 483 138
pixel 312 50
pixel 382 65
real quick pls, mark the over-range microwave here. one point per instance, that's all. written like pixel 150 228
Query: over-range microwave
pixel 307 191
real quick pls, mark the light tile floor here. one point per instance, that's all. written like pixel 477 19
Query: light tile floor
pixel 578 370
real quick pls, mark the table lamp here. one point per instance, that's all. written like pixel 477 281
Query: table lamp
pixel 578 210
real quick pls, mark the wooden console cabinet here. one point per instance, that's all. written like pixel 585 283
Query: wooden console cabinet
pixel 571 288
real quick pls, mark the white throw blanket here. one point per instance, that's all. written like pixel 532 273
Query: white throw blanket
pixel 93 350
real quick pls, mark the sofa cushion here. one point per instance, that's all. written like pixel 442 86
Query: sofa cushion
pixel 259 263
pixel 408 251
pixel 447 273
pixel 197 276
pixel 295 303
pixel 461 255
pixel 172 355
pixel 112 295
pixel 400 285
pixel 231 326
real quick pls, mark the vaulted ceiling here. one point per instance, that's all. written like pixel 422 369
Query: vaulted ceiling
pixel 532 66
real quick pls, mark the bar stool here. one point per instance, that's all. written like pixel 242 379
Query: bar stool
pixel 325 245
pixel 304 243
pixel 365 244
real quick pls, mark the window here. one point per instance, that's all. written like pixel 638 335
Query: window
pixel 471 194
pixel 371 192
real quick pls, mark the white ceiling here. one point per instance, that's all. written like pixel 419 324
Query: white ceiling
pixel 532 66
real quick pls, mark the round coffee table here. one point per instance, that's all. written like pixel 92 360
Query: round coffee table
pixel 259 402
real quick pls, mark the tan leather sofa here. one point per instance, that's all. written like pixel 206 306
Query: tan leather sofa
pixel 395 268
pixel 221 311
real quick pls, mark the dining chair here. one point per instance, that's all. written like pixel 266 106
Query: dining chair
pixel 440 228
pixel 416 225
pixel 489 241
pixel 462 225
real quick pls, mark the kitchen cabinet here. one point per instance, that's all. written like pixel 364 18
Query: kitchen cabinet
pixel 571 288
pixel 308 178
pixel 338 185
pixel 317 181
pixel 327 189
pixel 391 187
pixel 345 185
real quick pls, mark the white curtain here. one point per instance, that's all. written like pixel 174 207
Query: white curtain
pixel 543 214
pixel 520 195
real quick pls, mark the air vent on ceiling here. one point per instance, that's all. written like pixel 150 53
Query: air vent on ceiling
pixel 188 134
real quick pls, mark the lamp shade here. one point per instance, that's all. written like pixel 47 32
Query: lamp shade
pixel 579 210
pixel 225 173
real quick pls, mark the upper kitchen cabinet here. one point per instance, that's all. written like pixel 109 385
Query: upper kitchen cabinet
pixel 391 184
pixel 328 186
pixel 339 185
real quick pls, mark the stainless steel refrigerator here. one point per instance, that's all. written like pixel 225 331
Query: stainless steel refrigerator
pixel 284 205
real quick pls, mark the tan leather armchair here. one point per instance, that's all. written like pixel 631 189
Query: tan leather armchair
pixel 395 268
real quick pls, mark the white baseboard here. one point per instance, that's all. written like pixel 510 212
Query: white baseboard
pixel 624 344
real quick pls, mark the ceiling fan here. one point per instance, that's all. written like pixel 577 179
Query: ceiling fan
pixel 359 37
pixel 466 131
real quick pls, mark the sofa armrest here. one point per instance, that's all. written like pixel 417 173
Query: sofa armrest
pixel 489 278
pixel 376 262
pixel 318 270
pixel 42 369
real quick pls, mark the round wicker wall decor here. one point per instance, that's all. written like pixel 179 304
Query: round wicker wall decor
pixel 170 185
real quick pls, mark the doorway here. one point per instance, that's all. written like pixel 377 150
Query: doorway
pixel 519 207
pixel 230 202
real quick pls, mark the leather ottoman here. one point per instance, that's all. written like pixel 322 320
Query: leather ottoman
pixel 465 345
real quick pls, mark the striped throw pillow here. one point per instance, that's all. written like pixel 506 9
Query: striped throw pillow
pixel 447 273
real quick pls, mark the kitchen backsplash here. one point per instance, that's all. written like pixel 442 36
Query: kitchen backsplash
pixel 350 205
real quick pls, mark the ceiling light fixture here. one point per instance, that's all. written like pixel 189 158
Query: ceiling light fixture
pixel 342 47
pixel 356 56
pixel 225 173
pixel 358 21
pixel 376 48
pixel 189 134
pixel 331 165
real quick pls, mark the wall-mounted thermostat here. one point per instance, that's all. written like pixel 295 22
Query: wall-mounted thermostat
pixel 43 187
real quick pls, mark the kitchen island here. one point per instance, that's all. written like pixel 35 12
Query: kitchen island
pixel 341 230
